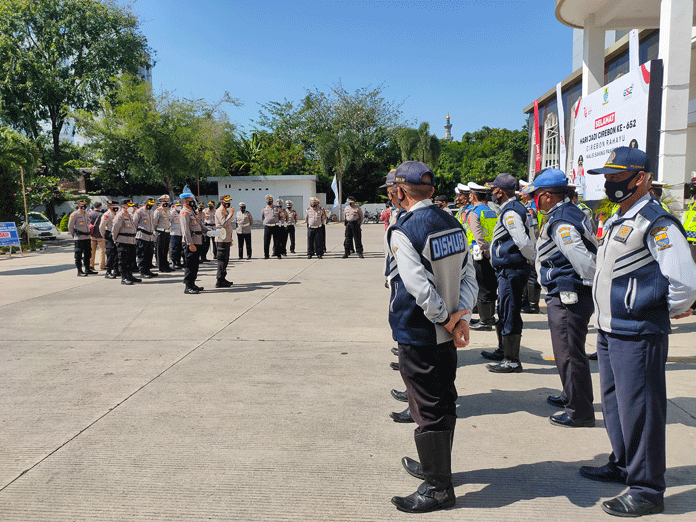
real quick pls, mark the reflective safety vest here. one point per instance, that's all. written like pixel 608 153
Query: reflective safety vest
pixel 690 223
pixel 487 218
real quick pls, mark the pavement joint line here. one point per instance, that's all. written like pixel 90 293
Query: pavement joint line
pixel 682 409
pixel 156 377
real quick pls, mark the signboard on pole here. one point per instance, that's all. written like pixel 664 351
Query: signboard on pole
pixel 624 113
pixel 9 235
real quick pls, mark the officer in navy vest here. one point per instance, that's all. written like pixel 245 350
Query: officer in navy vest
pixel 512 250
pixel 433 287
pixel 565 264
pixel 644 277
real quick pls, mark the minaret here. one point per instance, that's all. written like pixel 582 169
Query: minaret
pixel 448 129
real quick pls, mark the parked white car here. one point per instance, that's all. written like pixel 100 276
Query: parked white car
pixel 39 227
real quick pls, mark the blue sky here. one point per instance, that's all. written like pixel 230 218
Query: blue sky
pixel 482 61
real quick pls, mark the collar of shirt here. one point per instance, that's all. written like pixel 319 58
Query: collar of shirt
pixel 631 212
pixel 559 205
pixel 423 203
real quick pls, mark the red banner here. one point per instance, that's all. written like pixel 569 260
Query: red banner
pixel 537 145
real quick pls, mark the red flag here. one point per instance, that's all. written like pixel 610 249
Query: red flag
pixel 537 145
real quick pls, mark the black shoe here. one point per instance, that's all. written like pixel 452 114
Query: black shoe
pixel 627 505
pixel 146 275
pixel 320 257
pixel 361 256
pixel 427 498
pixel 126 282
pixel 248 257
pixel 402 416
pixel 481 326
pixel 191 290
pixel 223 284
pixel 413 467
pixel 199 288
pixel 292 251
pixel 80 273
pixel 395 350
pixel 530 309
pixel 563 419
pixel 109 275
pixel 394 365
pixel 134 279
pixel 91 271
pixel 556 400
pixel 265 257
pixel 607 473
pixel 400 396
pixel 506 366
pixel 279 256
pixel 592 356
pixel 345 256
pixel 309 256
pixel 496 355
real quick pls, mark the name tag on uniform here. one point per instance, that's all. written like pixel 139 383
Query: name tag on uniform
pixel 622 235
pixel 447 245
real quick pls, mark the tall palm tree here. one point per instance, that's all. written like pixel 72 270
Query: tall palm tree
pixel 338 154
pixel 407 139
pixel 428 146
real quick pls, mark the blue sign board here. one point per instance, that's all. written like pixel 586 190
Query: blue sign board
pixel 8 234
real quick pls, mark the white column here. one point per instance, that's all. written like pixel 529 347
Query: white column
pixel 675 51
pixel 592 57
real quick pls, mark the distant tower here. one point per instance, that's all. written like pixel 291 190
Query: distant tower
pixel 448 129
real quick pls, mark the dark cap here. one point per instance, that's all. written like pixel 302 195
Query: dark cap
pixel 504 181
pixel 389 179
pixel 350 198
pixel 127 201
pixel 412 172
pixel 623 159
pixel 111 203
pixel 441 198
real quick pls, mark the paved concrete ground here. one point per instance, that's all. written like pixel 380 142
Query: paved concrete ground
pixel 264 402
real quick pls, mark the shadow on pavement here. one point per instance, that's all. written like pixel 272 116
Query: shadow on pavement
pixel 38 270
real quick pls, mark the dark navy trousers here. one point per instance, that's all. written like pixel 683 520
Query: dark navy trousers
pixel 634 403
pixel 511 283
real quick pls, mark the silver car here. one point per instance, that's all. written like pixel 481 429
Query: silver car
pixel 39 227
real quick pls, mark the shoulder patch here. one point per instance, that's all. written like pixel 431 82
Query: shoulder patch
pixel 661 238
pixel 510 221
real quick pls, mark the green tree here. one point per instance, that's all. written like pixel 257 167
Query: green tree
pixel 62 55
pixel 418 144
pixel 16 152
pixel 339 154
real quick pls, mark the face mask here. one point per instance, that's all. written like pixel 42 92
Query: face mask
pixel 314 205
pixel 495 198
pixel 148 207
pixel 82 207
pixel 618 191
pixel 192 204
pixel 242 209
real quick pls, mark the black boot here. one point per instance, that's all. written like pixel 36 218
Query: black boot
pixel 191 289
pixel 437 492
pixel 498 354
pixel 403 416
pixel 80 272
pixel 109 275
pixel 125 280
pixel 414 468
pixel 534 294
pixel 132 278
pixel 487 322
pixel 400 396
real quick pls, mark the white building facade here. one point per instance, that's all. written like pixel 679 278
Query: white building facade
pixel 252 190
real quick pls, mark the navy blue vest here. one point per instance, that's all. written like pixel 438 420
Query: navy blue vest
pixel 504 251
pixel 406 318
pixel 557 273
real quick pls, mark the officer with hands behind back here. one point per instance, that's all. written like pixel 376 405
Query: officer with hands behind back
pixel 192 231
pixel 644 277
pixel 433 287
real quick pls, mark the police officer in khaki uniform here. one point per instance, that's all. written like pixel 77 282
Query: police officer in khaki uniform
pixel 209 222
pixel 175 232
pixel 290 221
pixel 192 232
pixel 105 226
pixel 244 221
pixel 78 226
pixel 353 220
pixel 315 221
pixel 224 220
pixel 145 238
pixel 162 228
pixel 123 233
pixel 270 217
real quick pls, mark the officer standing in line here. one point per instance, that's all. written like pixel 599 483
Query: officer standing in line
pixel 290 221
pixel 644 277
pixel 105 226
pixel 353 218
pixel 224 220
pixel 462 201
pixel 282 228
pixel 429 319
pixel 315 220
pixel 209 222
pixel 97 239
pixel 192 232
pixel 481 221
pixel 244 221
pixel 690 219
pixel 162 229
pixel 144 238
pixel 78 226
pixel 175 232
pixel 270 217
pixel 441 201
pixel 511 251
pixel 566 256
pixel 123 232
pixel 532 292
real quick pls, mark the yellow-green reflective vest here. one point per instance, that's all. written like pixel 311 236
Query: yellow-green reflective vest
pixel 487 218
pixel 690 222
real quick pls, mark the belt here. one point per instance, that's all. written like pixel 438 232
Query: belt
pixel 269 224
pixel 141 229
pixel 196 233
pixel 317 226
pixel 162 230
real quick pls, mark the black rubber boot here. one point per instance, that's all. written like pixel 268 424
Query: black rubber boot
pixel 435 453
pixel 486 313
pixel 511 361
pixel 498 354
pixel 534 294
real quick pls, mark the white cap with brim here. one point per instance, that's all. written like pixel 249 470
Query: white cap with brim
pixel 461 188
pixel 478 188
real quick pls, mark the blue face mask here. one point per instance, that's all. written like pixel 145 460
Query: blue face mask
pixel 618 191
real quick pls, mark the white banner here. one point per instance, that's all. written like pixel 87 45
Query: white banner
pixel 613 116
pixel 561 128
pixel 334 187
